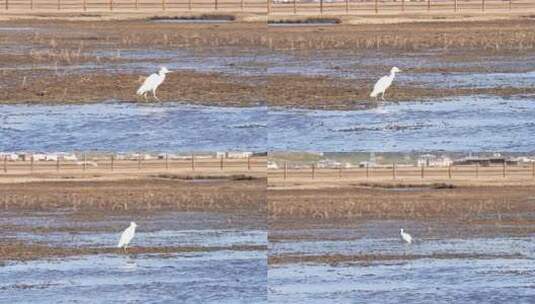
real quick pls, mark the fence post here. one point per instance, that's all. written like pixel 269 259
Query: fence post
pixel 428 5
pixel 57 164
pixel 31 164
pixel 31 4
pixel 163 5
pixel 59 5
pixel 504 169
pixel 313 171
pixel 482 5
pixel 221 163
pixel 215 4
pixel 455 5
pixel 248 163
pixel 402 5
pixel 340 172
pixel 295 7
pixel 241 5
pixel 347 6
pixel 269 6
pixel 139 161
pixel 85 161
pixel 377 6
pixel 111 162
pixel 477 170
pixel 367 171
pixel 7 5
pixel 192 162
pixel 285 169
pixel 449 171
pixel 533 170
pixel 393 170
pixel 5 163
pixel 510 5
pixel 189 5
pixel 111 5
pixel 422 172
pixel 321 7
pixel 137 4
pixel 166 161
pixel 84 5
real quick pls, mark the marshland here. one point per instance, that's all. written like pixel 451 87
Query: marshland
pixel 247 63
pixel 211 229
pixel 335 235
pixel 459 80
pixel 335 243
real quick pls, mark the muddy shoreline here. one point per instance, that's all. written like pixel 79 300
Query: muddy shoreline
pixel 21 252
pixel 348 259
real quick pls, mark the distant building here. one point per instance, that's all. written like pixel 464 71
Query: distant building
pixel 9 156
pixel 272 165
pixel 431 160
pixel 238 154
pixel 328 163
pixel 485 161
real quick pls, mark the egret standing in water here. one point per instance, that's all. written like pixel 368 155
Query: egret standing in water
pixel 384 83
pixel 152 83
pixel 127 236
pixel 407 238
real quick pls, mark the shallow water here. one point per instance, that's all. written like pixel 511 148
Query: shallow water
pixel 503 273
pixel 132 127
pixel 170 229
pixel 420 281
pixel 213 277
pixel 495 71
pixel 223 276
pixel 485 123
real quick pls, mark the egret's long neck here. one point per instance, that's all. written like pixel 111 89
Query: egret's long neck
pixel 392 74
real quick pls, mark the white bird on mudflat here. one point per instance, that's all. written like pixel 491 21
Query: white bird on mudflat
pixel 127 236
pixel 152 83
pixel 384 83
pixel 407 238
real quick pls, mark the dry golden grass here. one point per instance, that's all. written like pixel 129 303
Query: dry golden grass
pixel 138 196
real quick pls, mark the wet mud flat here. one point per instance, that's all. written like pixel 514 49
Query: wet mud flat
pixel 195 241
pixel 335 67
pixel 93 61
pixel 342 244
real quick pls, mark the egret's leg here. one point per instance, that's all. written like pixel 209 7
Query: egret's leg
pixel 154 94
pixel 383 96
pixel 145 97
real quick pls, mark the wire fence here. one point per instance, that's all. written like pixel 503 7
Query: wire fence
pixel 111 163
pixel 272 7
pixel 340 7
pixel 394 171
pixel 253 6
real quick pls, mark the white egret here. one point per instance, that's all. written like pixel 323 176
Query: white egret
pixel 384 83
pixel 152 83
pixel 407 238
pixel 127 236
